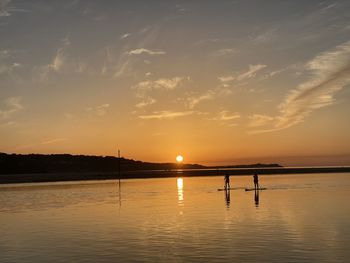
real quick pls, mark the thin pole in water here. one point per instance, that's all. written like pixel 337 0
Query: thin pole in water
pixel 119 176
pixel 119 165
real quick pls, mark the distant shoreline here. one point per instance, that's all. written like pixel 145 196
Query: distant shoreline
pixel 58 177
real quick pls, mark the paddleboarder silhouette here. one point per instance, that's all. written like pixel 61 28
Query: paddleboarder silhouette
pixel 227 181
pixel 256 181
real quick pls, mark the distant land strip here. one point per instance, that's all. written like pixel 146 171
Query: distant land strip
pixel 56 177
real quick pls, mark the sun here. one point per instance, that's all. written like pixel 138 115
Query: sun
pixel 179 158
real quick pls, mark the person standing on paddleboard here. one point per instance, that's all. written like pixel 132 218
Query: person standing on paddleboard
pixel 256 181
pixel 227 181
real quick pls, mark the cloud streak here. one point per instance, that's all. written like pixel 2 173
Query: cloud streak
pixel 225 52
pixel 194 101
pixel 145 102
pixel 140 51
pixel 52 141
pixel 330 72
pixel 7 10
pixel 7 64
pixel 227 118
pixel 162 115
pixel 4 9
pixel 250 73
pixel 144 88
pixel 13 105
pixel 125 36
pixel 55 66
pixel 258 120
pixel 100 110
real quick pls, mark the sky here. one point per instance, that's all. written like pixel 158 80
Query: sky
pixel 219 82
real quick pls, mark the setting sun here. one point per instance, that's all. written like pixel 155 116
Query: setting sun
pixel 179 158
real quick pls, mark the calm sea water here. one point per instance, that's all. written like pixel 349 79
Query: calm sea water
pixel 300 218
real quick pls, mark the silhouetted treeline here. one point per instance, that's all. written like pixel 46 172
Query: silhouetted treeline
pixel 67 163
pixel 64 163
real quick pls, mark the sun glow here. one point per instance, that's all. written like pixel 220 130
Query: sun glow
pixel 179 158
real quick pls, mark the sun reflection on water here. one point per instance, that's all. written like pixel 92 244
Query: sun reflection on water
pixel 180 192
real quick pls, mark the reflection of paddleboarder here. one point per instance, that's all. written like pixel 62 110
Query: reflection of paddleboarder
pixel 227 198
pixel 256 198
pixel 227 181
pixel 256 181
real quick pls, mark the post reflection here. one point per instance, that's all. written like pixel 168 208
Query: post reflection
pixel 180 192
pixel 120 195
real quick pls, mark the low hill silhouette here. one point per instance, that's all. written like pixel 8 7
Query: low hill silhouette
pixel 67 163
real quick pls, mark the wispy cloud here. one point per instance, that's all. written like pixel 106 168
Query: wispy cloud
pixel 124 68
pixel 226 118
pixel 140 51
pixel 9 68
pixel 125 36
pixel 52 141
pixel 225 52
pixel 253 69
pixel 265 37
pixel 194 101
pixel 162 83
pixel 206 41
pixel 55 65
pixel 168 84
pixel 145 102
pixel 330 72
pixel 275 72
pixel 258 120
pixel 8 124
pixel 250 73
pixel 100 110
pixel 13 105
pixel 4 9
pixel 7 64
pixel 145 87
pixel 4 53
pixel 125 62
pixel 58 60
pixel 125 65
pixel 40 143
pixel 62 62
pixel 225 79
pixel 296 68
pixel 161 115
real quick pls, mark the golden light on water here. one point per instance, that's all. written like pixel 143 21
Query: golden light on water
pixel 180 183
pixel 179 158
pixel 180 192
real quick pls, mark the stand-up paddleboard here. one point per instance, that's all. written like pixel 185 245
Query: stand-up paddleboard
pixel 253 189
pixel 229 189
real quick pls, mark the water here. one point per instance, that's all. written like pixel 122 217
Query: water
pixel 300 218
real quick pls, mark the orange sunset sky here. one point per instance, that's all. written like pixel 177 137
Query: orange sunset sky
pixel 220 82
